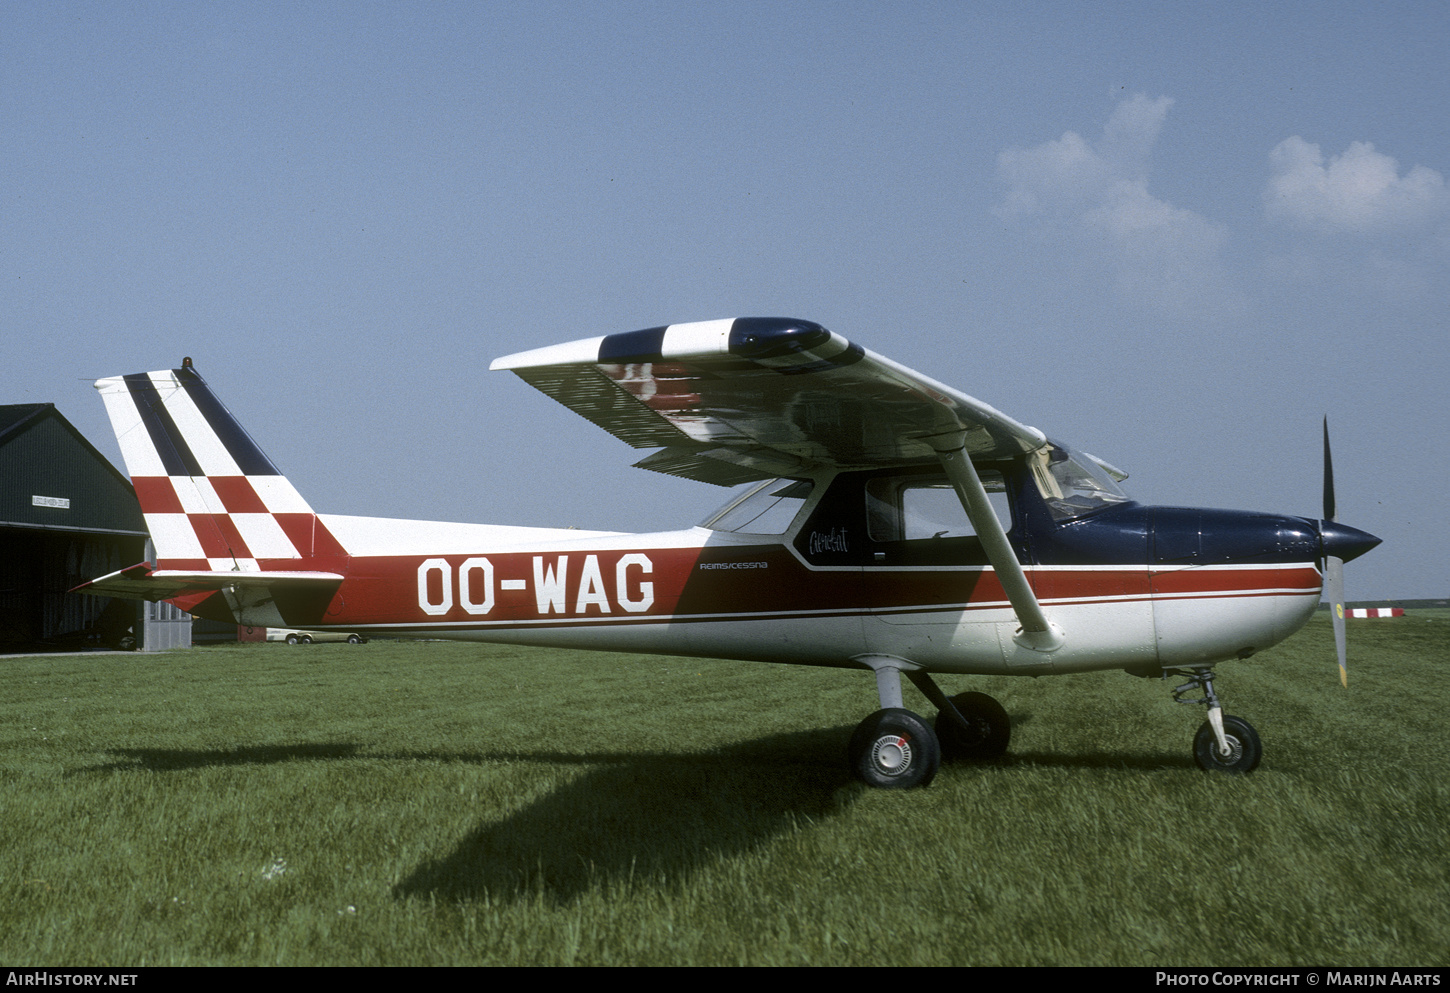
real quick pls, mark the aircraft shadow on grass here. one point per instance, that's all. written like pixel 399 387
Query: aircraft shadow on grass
pixel 643 819
pixel 655 820
pixel 633 819
pixel 179 759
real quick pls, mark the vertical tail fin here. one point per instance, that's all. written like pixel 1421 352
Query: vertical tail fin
pixel 212 500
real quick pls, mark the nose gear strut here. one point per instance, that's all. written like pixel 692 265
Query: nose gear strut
pixel 1223 743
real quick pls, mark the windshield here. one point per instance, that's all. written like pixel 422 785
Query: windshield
pixel 1073 485
pixel 764 508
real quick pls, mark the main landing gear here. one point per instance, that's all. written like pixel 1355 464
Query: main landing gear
pixel 896 749
pixel 1223 743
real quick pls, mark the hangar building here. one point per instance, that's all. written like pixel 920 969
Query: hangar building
pixel 66 516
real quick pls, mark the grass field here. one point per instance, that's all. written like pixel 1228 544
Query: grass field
pixel 447 804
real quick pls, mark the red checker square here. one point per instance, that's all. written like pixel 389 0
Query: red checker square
pixel 237 495
pixel 156 495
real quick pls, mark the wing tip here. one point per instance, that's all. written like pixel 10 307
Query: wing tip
pixel 567 353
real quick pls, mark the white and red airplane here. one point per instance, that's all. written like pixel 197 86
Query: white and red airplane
pixel 894 525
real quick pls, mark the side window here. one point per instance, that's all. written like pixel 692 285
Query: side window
pixel 923 508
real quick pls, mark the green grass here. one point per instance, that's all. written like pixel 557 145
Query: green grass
pixel 448 804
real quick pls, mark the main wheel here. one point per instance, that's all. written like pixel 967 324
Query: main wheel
pixel 894 749
pixel 1244 750
pixel 987 738
pixel 291 639
pixel 353 639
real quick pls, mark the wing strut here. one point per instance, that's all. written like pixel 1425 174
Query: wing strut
pixel 1037 632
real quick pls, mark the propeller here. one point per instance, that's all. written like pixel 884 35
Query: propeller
pixel 1333 567
pixel 1341 543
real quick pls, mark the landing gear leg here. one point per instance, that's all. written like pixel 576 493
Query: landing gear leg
pixel 1224 743
pixel 893 748
pixel 970 726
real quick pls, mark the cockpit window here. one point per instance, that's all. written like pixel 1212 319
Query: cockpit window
pixel 1072 485
pixel 765 508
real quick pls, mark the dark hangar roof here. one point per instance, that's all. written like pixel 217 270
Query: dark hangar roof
pixel 51 477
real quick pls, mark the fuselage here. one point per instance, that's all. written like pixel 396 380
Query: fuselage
pixel 849 564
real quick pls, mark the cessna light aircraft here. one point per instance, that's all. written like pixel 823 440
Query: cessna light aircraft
pixel 894 525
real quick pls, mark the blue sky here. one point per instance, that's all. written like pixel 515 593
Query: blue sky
pixel 1172 235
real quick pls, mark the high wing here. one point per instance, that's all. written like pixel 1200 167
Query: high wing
pixel 755 397
pixel 735 400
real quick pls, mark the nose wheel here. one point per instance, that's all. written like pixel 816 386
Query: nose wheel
pixel 1224 743
pixel 1244 750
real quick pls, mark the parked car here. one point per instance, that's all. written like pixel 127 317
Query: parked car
pixel 295 637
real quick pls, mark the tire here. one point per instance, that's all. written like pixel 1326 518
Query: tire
pixel 291 639
pixel 353 639
pixel 1245 751
pixel 306 639
pixel 989 735
pixel 894 749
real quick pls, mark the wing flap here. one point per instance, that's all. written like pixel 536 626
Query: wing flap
pixel 584 389
pixel 712 466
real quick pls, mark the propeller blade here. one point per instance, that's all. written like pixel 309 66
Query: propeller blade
pixel 1334 567
pixel 1334 590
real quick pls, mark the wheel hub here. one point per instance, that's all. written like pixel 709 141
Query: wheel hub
pixel 891 754
pixel 1234 753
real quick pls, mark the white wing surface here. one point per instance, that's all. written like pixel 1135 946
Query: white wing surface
pixel 750 398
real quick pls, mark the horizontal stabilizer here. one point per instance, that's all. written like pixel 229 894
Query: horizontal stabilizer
pixel 266 599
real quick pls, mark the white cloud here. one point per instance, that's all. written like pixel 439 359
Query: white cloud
pixel 1360 190
pixel 1161 255
pixel 1072 174
pixel 1057 175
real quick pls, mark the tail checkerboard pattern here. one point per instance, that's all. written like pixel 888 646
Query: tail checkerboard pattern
pixel 213 502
